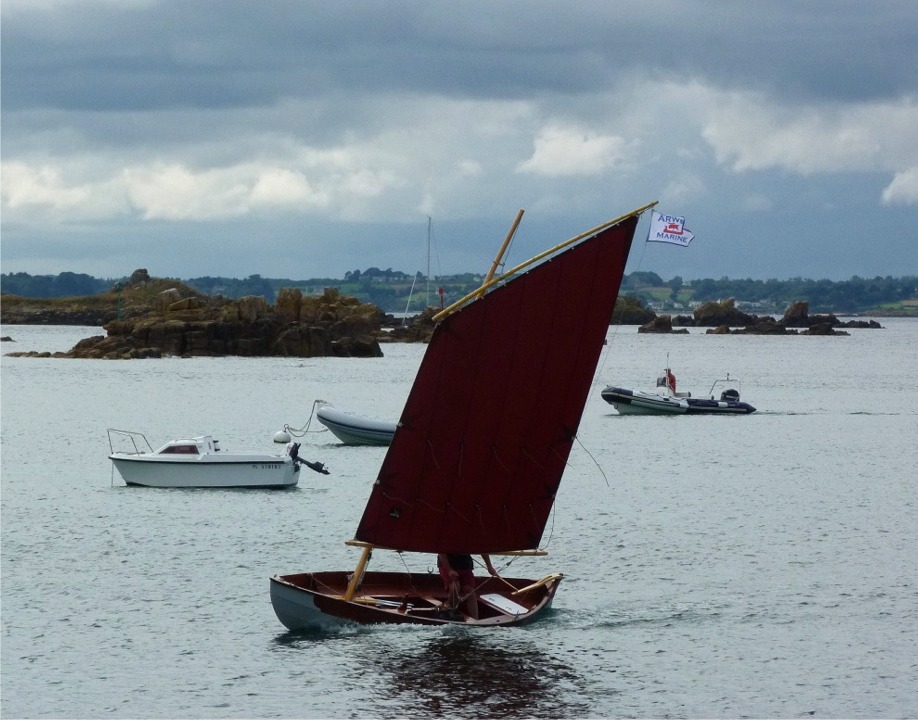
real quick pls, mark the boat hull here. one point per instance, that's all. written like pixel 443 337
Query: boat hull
pixel 315 600
pixel 354 430
pixel 636 402
pixel 206 471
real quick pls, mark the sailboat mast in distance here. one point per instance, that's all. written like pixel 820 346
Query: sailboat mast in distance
pixel 428 259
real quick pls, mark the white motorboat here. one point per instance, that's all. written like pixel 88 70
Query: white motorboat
pixel 353 429
pixel 664 400
pixel 198 462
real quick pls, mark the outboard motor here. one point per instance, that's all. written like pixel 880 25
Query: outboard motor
pixel 730 395
pixel 294 452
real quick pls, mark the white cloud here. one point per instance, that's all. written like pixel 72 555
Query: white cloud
pixel 46 191
pixel 748 134
pixel 903 190
pixel 468 168
pixel 282 187
pixel 750 131
pixel 24 186
pixel 170 191
pixel 570 150
pixel 366 183
pixel 684 188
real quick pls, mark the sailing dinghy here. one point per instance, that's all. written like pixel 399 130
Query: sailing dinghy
pixel 513 363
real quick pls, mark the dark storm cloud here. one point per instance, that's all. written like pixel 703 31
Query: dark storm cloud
pixel 235 53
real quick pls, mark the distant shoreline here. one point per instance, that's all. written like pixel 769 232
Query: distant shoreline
pixel 392 291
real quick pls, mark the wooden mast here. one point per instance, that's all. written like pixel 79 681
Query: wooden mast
pixel 500 253
pixel 358 572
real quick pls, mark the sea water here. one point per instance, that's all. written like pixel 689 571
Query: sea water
pixel 755 566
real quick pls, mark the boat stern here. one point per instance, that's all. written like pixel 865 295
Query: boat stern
pixel 296 609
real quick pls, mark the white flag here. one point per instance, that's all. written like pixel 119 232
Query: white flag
pixel 668 229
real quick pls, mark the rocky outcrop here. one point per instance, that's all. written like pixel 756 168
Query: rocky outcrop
pixel 410 330
pixel 629 310
pixel 661 324
pixel 135 298
pixel 724 316
pixel 721 312
pixel 330 325
pixel 139 277
pixel 797 316
pixel 760 326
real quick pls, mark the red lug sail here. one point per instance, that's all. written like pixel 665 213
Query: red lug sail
pixel 489 423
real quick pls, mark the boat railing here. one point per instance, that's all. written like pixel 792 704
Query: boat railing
pixel 135 439
pixel 724 382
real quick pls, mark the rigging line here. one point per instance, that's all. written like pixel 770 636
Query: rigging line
pixel 551 531
pixel 450 506
pixel 534 461
pixel 595 461
pixel 438 271
pixel 329 589
pixel 408 572
pixel 564 461
pixel 481 583
pixel 299 432
pixel 499 461
pixel 433 457
pixel 396 498
pixel 408 304
pixel 428 260
pixel 432 507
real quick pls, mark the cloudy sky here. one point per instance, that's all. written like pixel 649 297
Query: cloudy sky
pixel 298 139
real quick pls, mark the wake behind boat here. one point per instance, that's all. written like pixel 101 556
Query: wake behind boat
pixel 198 462
pixel 514 362
pixel 664 400
pixel 353 429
